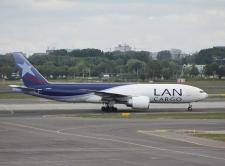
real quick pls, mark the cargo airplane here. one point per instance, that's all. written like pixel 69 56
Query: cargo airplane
pixel 137 96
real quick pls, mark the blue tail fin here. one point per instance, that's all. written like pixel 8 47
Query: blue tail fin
pixel 31 77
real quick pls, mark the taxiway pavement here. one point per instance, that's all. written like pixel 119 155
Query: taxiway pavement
pixel 45 137
pixel 42 106
pixel 58 140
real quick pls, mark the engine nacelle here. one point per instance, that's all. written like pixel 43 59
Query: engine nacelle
pixel 140 102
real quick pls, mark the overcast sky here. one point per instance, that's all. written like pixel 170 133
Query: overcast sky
pixel 33 25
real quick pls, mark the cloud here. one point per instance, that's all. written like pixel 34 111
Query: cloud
pixel 33 25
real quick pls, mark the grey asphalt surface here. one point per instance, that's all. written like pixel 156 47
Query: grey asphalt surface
pixel 53 139
pixel 58 140
pixel 43 107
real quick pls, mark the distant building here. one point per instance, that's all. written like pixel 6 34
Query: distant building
pixel 181 80
pixel 106 76
pixel 49 51
pixel 15 75
pixel 220 61
pixel 123 48
pixel 175 53
pixel 70 50
pixel 39 54
pixel 154 55
pixel 199 67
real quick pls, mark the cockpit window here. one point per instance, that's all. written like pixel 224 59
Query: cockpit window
pixel 202 91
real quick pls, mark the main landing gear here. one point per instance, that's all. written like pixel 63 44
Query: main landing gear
pixel 190 107
pixel 109 108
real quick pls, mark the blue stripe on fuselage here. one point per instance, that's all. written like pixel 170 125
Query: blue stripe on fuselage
pixel 72 89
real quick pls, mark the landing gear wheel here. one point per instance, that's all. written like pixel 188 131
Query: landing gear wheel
pixel 190 107
pixel 115 109
pixel 109 109
pixel 103 109
pixel 112 109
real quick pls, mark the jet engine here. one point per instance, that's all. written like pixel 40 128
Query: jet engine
pixel 139 102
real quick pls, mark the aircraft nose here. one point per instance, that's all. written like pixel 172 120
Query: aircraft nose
pixel 206 95
pixel 203 94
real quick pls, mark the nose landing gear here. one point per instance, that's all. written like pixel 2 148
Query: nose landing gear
pixel 190 107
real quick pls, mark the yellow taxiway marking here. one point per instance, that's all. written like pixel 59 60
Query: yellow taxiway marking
pixel 119 140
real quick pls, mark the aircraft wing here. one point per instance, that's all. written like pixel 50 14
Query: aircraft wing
pixel 108 96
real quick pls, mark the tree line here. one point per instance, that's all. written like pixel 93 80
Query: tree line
pixel 132 65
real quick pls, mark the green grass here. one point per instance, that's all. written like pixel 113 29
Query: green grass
pixel 210 86
pixel 203 83
pixel 183 115
pixel 14 96
pixel 219 137
pixel 4 86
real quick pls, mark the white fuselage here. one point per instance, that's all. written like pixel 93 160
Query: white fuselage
pixel 157 93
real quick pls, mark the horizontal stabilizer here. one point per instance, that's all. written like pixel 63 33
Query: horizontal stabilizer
pixel 16 88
